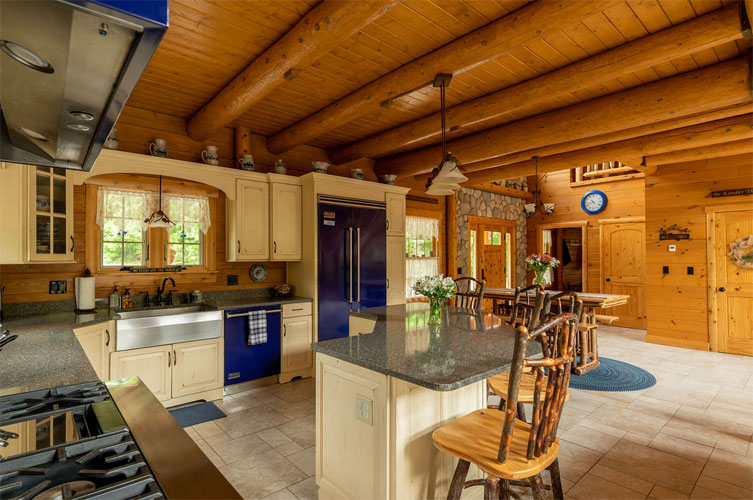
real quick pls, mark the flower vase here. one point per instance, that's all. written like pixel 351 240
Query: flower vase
pixel 538 279
pixel 436 304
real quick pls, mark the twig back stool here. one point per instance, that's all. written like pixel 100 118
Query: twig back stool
pixel 506 448
pixel 585 341
pixel 470 293
pixel 523 304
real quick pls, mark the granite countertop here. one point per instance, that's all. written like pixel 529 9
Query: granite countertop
pixel 470 346
pixel 47 354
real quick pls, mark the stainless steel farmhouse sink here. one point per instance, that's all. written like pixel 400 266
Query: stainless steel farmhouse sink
pixel 153 327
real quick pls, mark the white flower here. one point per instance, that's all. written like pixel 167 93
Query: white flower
pixel 435 286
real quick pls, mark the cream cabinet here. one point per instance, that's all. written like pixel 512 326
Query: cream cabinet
pixel 197 366
pixel 296 359
pixel 13 206
pixel 395 270
pixel 248 222
pixel 98 341
pixel 395 214
pixel 153 365
pixel 285 212
pixel 50 215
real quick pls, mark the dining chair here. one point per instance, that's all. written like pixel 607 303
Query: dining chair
pixel 523 304
pixel 470 293
pixel 504 447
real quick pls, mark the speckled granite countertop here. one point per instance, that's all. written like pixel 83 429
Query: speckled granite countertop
pixel 470 346
pixel 46 353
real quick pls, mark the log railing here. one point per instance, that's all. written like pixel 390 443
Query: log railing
pixel 603 172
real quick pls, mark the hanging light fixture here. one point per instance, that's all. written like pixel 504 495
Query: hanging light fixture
pixel 538 206
pixel 445 178
pixel 159 218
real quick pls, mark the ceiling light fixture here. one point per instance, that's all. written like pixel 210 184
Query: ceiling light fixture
pixel 158 218
pixel 538 206
pixel 447 176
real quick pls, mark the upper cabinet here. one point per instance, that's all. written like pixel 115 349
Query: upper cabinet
pixel 285 209
pixel 248 222
pixel 395 214
pixel 13 203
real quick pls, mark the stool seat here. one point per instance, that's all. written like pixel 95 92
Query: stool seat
pixel 501 381
pixel 475 438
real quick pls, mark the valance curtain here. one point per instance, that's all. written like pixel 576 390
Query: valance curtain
pixel 422 251
pixel 141 204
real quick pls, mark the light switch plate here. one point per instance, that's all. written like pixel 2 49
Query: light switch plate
pixel 672 248
pixel 364 409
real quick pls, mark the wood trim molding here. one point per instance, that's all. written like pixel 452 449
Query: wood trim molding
pixel 477 219
pixel 557 225
pixel 732 207
pixel 503 190
pixel 687 344
pixel 617 220
pixel 451 203
pixel 711 278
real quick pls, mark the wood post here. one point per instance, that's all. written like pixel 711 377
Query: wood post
pixel 451 208
pixel 321 30
pixel 681 40
pixel 713 87
pixel 242 144
pixel 489 42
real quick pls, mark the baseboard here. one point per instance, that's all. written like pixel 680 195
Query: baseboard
pixel 687 344
pixel 210 395
pixel 288 376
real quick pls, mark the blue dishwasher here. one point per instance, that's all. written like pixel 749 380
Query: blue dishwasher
pixel 245 362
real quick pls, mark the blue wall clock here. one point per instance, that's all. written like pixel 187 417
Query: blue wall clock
pixel 593 202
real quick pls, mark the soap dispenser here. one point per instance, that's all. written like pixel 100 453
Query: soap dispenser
pixel 115 299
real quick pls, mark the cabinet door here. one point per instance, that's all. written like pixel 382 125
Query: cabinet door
pixel 296 339
pixel 252 220
pixel 98 342
pixel 286 222
pixel 50 221
pixel 395 214
pixel 13 209
pixel 197 366
pixel 395 270
pixel 153 365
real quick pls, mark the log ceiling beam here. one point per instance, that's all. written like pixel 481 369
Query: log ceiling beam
pixel 321 30
pixel 516 30
pixel 683 39
pixel 744 146
pixel 720 85
pixel 739 128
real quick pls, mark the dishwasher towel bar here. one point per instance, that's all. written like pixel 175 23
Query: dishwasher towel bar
pixel 271 311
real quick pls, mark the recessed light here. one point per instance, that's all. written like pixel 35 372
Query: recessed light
pixel 78 127
pixel 25 56
pixel 82 115
pixel 32 134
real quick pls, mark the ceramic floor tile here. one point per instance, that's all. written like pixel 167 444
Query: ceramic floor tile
pixel 305 460
pixel 637 422
pixel 283 494
pixel 217 438
pixel 301 430
pixel 697 394
pixel 654 407
pixel 662 493
pixel 724 490
pixel 576 460
pixel 730 468
pixel 289 448
pixel 681 447
pixel 707 430
pixel 589 438
pixel 241 448
pixel 626 480
pixel 305 490
pixel 207 429
pixel 274 437
pixel 250 421
pixel 606 429
pixel 592 487
pixel 262 474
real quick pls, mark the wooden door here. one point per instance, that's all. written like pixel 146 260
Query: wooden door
pixel 296 339
pixel 494 252
pixel 286 221
pixel 153 365
pixel 197 366
pixel 732 290
pixel 97 342
pixel 252 220
pixel 395 270
pixel 623 266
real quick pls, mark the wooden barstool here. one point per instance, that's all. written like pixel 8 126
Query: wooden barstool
pixel 506 448
pixel 523 303
pixel 470 293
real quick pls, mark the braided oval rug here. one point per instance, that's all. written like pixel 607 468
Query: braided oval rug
pixel 613 376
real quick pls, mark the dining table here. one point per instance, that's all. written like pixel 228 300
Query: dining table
pixel 587 347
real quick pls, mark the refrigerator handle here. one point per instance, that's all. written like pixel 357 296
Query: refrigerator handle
pixel 358 264
pixel 349 250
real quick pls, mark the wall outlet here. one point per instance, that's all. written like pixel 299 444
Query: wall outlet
pixel 665 269
pixel 232 279
pixel 364 407
pixel 691 270
pixel 58 287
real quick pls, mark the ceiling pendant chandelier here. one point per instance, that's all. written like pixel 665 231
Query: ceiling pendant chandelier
pixel 538 206
pixel 159 218
pixel 446 177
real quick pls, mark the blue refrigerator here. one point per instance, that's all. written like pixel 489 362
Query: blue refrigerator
pixel 352 263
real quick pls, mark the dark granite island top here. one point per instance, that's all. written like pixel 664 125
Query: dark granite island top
pixel 469 347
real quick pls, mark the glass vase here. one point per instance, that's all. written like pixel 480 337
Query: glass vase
pixel 436 305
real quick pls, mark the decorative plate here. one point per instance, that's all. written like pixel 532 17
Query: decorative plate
pixel 258 272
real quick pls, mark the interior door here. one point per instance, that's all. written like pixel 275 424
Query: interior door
pixel 734 284
pixel 623 257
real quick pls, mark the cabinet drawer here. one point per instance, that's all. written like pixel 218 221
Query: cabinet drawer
pixel 297 309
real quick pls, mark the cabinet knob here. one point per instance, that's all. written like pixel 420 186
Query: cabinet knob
pixel 608 280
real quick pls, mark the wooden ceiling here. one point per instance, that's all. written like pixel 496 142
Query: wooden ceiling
pixel 209 42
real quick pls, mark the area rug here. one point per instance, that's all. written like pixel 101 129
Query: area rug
pixel 613 376
pixel 196 414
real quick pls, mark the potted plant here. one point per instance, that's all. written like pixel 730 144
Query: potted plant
pixel 438 289
pixel 540 263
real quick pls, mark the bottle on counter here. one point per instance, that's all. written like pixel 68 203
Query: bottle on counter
pixel 196 296
pixel 115 299
pixel 126 302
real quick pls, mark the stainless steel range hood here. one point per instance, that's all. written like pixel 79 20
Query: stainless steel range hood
pixel 66 71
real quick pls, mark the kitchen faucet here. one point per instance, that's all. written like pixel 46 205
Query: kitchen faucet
pixel 161 290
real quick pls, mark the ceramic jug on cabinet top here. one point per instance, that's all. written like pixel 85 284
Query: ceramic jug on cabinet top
pixel 158 148
pixel 247 162
pixel 210 156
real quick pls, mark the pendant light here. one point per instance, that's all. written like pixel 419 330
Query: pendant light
pixel 159 218
pixel 447 175
pixel 538 206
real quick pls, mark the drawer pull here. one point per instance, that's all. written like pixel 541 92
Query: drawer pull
pixel 107 342
pixel 175 359
pixel 298 309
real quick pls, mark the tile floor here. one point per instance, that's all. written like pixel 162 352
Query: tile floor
pixel 688 437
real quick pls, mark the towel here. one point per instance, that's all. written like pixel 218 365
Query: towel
pixel 257 327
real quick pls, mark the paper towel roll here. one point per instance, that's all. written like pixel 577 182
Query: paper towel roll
pixel 85 293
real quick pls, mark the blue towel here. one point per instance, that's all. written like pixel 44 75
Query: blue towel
pixel 257 327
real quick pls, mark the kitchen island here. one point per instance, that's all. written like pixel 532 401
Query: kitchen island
pixel 382 391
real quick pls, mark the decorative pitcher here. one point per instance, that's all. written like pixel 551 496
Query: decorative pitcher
pixel 158 148
pixel 247 162
pixel 210 156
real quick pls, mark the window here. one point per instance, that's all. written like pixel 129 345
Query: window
pixel 184 239
pixel 123 238
pixel 421 250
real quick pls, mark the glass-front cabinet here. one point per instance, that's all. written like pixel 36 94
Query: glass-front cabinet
pixel 50 222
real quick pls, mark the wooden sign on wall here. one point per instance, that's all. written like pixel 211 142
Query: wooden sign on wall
pixel 674 232
pixel 732 192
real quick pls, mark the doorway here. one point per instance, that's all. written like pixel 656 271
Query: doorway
pixel 623 269
pixel 730 280
pixel 491 251
pixel 567 244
